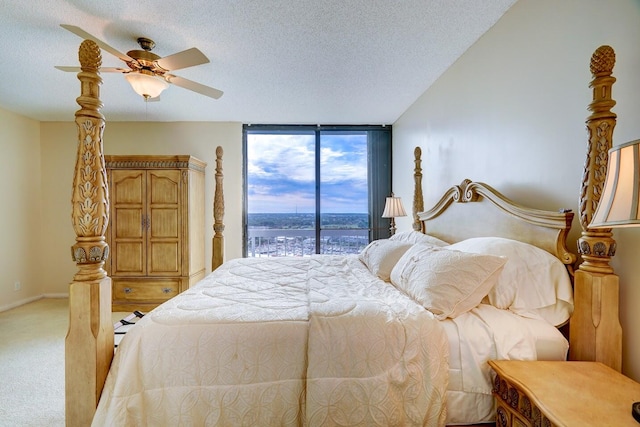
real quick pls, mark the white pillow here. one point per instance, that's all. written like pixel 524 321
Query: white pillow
pixel 380 256
pixel 446 282
pixel 418 237
pixel 532 283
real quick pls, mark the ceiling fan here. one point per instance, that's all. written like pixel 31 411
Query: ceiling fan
pixel 148 73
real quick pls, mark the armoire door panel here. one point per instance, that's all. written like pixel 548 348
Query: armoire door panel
pixel 164 258
pixel 129 258
pixel 164 187
pixel 128 187
pixel 128 223
pixel 165 223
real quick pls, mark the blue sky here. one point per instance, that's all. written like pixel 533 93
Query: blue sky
pixel 281 173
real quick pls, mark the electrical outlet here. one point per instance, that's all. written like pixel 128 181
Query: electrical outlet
pixel 17 286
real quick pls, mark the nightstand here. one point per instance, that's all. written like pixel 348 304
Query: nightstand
pixel 571 394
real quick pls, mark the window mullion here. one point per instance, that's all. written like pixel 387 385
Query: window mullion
pixel 318 219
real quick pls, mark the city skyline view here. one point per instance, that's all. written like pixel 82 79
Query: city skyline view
pixel 291 234
pixel 306 221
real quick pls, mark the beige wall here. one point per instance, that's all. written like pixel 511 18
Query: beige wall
pixel 58 148
pixel 20 210
pixel 511 112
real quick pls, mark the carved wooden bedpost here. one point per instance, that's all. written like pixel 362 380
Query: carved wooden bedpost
pixel 89 341
pixel 218 214
pixel 595 331
pixel 418 200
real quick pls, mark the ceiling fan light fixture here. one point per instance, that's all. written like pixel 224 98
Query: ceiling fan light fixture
pixel 147 73
pixel 146 85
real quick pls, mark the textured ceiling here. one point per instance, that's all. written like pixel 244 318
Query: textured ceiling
pixel 277 61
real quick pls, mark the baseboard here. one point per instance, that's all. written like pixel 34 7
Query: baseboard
pixel 55 295
pixel 30 299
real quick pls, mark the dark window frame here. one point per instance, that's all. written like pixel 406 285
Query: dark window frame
pixel 379 171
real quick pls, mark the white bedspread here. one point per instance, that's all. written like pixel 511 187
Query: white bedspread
pixel 285 341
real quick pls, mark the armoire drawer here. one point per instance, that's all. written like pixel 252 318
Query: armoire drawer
pixel 147 290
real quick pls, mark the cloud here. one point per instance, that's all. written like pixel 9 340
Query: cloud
pixel 281 172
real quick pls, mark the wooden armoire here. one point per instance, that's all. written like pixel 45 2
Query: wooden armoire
pixel 156 228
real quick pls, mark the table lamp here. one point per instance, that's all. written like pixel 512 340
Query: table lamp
pixel 393 208
pixel 618 205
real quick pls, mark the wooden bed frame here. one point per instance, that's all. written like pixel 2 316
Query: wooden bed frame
pixel 595 329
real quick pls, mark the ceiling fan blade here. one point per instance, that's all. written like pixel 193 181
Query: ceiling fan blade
pixel 114 70
pixel 102 70
pixel 83 34
pixel 196 87
pixel 184 59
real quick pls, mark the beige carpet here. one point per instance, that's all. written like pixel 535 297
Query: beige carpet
pixel 32 363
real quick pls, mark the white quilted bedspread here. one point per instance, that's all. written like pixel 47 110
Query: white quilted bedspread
pixel 281 342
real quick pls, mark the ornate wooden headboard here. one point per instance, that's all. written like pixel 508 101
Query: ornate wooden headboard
pixel 474 209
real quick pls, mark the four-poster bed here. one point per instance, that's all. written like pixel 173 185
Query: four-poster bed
pixel 218 215
pixel 467 218
pixel 595 330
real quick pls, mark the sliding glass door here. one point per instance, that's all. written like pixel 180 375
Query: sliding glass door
pixel 308 190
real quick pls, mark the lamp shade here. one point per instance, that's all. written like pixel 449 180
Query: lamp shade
pixel 618 206
pixel 146 85
pixel 393 208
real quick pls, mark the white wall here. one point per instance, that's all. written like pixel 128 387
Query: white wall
pixel 511 112
pixel 59 142
pixel 20 248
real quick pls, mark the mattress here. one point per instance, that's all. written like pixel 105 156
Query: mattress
pixel 286 341
pixel 486 333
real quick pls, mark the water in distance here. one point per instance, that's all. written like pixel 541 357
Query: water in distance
pixel 293 234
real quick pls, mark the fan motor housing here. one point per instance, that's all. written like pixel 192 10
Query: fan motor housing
pixel 145 59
